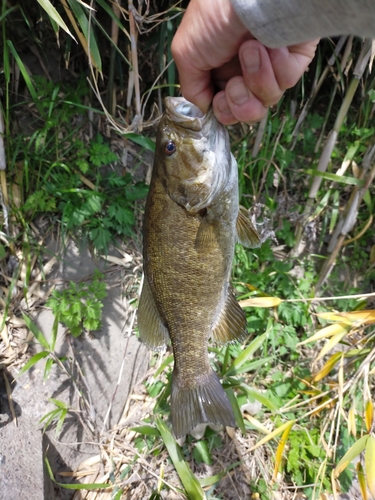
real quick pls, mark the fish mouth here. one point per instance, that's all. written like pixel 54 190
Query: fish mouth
pixel 188 116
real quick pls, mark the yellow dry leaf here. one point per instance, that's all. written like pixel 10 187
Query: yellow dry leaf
pixel 331 344
pixel 365 317
pixel 361 481
pixel 352 427
pixel 369 416
pixel 369 464
pixel 327 367
pixel 327 331
pixel 256 424
pixel 273 434
pixel 261 302
pixel 280 449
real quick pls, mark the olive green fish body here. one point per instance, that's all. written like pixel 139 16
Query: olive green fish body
pixel 189 236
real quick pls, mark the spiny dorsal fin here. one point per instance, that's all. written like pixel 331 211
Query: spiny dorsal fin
pixel 152 331
pixel 246 233
pixel 231 325
pixel 201 403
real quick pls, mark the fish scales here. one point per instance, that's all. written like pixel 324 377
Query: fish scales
pixel 190 225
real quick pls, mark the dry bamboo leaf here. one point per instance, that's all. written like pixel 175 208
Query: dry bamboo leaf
pixel 327 367
pixel 4 332
pixel 272 434
pixel 369 416
pixel 117 260
pixel 352 427
pixel 327 331
pixel 331 344
pixel 365 317
pixel 361 481
pixel 369 464
pixel 261 302
pixel 280 449
pixel 256 424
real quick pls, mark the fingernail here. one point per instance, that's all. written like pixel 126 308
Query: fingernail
pixel 222 106
pixel 238 94
pixel 251 59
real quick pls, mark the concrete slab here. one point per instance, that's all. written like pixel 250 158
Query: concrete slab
pixel 110 364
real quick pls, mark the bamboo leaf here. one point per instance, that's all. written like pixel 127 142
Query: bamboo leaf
pixel 331 344
pixel 146 430
pixel 89 486
pixel 369 416
pixel 280 449
pixel 36 332
pixel 141 140
pixel 342 179
pixel 32 361
pixel 191 484
pixel 327 331
pixel 54 15
pixel 365 317
pixel 274 433
pixel 253 394
pixel 327 367
pixel 352 426
pixel 350 455
pixel 260 427
pixel 245 355
pixel 370 464
pixel 261 302
pixel 236 409
pixel 361 481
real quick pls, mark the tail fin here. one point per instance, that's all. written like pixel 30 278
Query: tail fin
pixel 202 403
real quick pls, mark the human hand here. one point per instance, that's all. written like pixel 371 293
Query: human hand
pixel 220 62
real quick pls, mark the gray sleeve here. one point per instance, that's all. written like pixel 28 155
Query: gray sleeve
pixel 277 23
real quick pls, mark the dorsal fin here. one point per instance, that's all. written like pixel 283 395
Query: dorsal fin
pixel 246 233
pixel 231 325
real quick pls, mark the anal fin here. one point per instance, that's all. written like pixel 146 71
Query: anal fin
pixel 152 331
pixel 246 233
pixel 231 324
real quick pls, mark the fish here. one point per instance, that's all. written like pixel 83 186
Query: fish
pixel 192 221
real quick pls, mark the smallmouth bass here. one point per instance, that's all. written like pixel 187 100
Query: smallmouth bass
pixel 192 222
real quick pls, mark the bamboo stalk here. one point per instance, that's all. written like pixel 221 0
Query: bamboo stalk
pixel 325 157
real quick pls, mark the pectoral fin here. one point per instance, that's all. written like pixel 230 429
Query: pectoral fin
pixel 246 233
pixel 207 234
pixel 231 325
pixel 152 330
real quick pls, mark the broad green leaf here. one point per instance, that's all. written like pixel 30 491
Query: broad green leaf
pixel 252 393
pixel 59 404
pixel 342 179
pixel 351 454
pixel 146 430
pixel 47 368
pixel 54 333
pixel 168 360
pixel 26 77
pixel 36 332
pixel 201 453
pixel 191 484
pixel 361 481
pixel 141 140
pixel 370 464
pixel 89 486
pixel 236 409
pixel 88 32
pixel 37 357
pixel 54 15
pixel 251 365
pixel 245 355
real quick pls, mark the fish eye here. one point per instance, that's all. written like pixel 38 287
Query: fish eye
pixel 169 148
